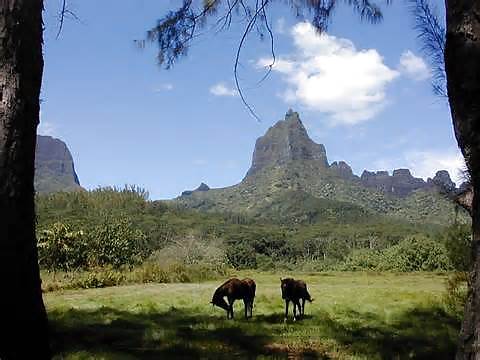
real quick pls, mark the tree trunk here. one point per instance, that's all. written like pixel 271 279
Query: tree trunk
pixel 462 65
pixel 23 321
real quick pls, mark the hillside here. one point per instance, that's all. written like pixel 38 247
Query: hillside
pixel 291 180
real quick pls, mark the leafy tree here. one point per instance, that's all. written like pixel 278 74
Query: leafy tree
pixel 116 242
pixel 60 248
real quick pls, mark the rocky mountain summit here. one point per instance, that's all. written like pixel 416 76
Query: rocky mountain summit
pixel 284 142
pixel 290 174
pixel 54 167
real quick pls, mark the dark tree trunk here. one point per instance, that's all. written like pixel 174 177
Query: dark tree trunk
pixel 23 321
pixel 462 65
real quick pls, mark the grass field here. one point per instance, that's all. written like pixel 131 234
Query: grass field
pixel 353 316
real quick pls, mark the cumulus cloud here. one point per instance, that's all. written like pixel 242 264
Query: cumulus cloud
pixel 414 66
pixel 221 89
pixel 330 75
pixel 426 163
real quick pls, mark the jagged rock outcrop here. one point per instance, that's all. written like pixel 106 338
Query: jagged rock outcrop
pixel 380 180
pixel 402 183
pixel 286 141
pixel 442 181
pixel 200 188
pixel 54 167
pixel 343 170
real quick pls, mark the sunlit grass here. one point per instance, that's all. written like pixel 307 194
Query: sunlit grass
pixel 354 315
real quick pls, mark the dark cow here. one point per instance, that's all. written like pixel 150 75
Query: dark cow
pixel 296 292
pixel 235 289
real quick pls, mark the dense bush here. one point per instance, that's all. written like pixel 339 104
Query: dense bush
pixel 458 242
pixel 414 253
pixel 116 242
pixel 60 248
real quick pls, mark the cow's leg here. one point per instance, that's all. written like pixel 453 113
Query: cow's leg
pixel 230 305
pixel 245 305
pixel 295 310
pixel 303 307
pixel 286 308
pixel 299 308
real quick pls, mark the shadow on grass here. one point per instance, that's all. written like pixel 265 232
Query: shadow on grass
pixel 428 333
pixel 151 335
pixel 423 333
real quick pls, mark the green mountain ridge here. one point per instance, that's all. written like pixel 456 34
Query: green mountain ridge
pixel 290 181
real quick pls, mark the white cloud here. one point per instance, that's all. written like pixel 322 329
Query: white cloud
pixel 221 89
pixel 414 66
pixel 164 87
pixel 328 74
pixel 426 163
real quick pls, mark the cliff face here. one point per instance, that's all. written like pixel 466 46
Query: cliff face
pixel 402 183
pixel 54 167
pixel 284 142
pixel 343 170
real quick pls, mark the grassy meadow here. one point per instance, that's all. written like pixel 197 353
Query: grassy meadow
pixel 358 315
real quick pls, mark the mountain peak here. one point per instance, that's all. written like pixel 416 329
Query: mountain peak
pixel 286 141
pixel 54 168
pixel 293 117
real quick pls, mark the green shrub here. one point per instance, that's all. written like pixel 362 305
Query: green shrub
pixel 151 273
pixel 60 248
pixel 414 253
pixel 362 260
pixel 457 292
pixel 117 242
pixel 99 278
pixel 458 242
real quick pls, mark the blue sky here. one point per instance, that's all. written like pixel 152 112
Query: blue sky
pixel 362 90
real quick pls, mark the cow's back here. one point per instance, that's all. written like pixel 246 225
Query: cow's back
pixel 250 287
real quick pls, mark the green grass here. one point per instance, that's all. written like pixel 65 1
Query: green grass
pixel 353 316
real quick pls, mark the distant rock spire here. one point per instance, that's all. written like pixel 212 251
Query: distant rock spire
pixel 54 168
pixel 286 141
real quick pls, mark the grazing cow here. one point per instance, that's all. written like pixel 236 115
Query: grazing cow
pixel 295 291
pixel 235 289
